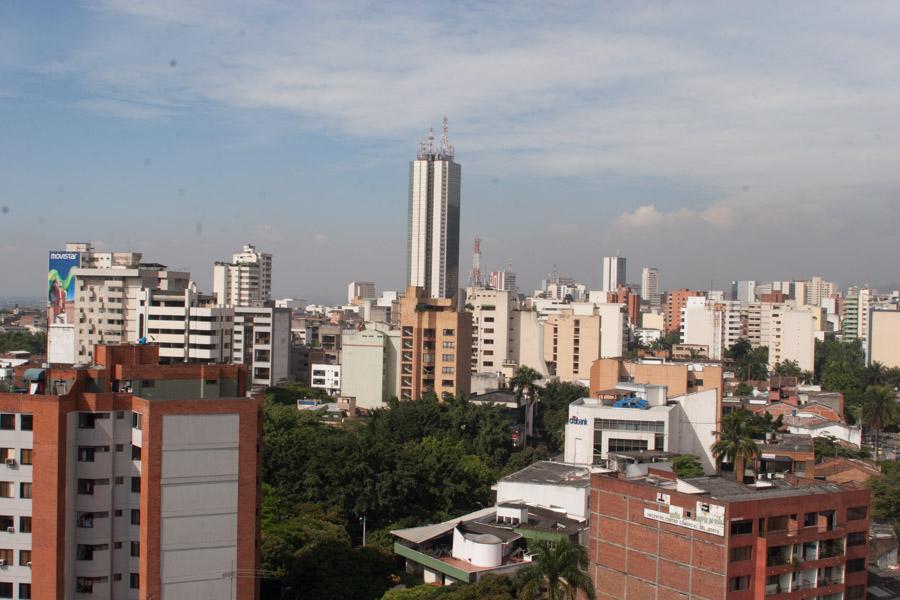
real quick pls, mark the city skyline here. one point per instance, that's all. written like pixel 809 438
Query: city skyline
pixel 746 152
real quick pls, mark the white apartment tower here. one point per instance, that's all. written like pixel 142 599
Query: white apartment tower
pixel 650 284
pixel 613 272
pixel 246 280
pixel 432 245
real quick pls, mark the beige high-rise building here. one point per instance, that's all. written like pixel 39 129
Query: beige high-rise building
pixel 572 343
pixel 435 346
pixel 884 338
pixel 493 334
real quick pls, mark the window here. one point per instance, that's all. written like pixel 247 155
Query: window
pixel 7 421
pixel 148 383
pixel 7 454
pixel 119 480
pixel 449 332
pixel 117 577
pixel 741 527
pixel 738 583
pixel 25 524
pixel 24 558
pixel 135 452
pixel 857 538
pixel 85 454
pixel 85 420
pixel 84 585
pixel 25 489
pixel 135 517
pixel 809 519
pixel 26 422
pixel 6 521
pixel 6 489
pixel 134 581
pixel 24 591
pixel 857 513
pixel 447 382
pixel 117 545
pixel 136 485
pixel 120 414
pixel 84 552
pixel 447 370
pixel 855 565
pixel 624 445
pixel 86 487
pixel 136 420
pixel 448 357
pixel 6 555
pixel 856 591
pixel 742 553
pixel 135 548
pixel 449 344
pixel 118 512
pixel 6 589
pixel 25 456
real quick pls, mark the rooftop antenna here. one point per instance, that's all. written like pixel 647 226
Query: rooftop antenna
pixel 446 149
pixel 431 141
pixel 475 275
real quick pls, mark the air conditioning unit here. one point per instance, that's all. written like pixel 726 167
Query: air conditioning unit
pixel 28 564
pixel 10 530
pixel 2 562
pixel 10 462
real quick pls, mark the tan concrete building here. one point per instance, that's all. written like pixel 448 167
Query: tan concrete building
pixel 884 338
pixel 572 343
pixel 675 301
pixel 435 346
pixel 679 377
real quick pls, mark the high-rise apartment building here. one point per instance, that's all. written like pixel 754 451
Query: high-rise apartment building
pixel 129 480
pixel 493 334
pixel 432 245
pixel 186 326
pixel 613 272
pixel 817 290
pixel 262 342
pixel 574 339
pixel 106 290
pixel 656 536
pixel 675 301
pixel 743 291
pixel 436 346
pixel 855 320
pixel 650 285
pixel 246 280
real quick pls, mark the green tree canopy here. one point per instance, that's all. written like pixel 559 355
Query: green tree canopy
pixel 687 465
pixel 735 444
pixel 557 572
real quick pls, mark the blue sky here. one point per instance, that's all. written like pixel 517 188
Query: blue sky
pixel 715 141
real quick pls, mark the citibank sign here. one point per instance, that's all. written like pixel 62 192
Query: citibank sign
pixel 577 421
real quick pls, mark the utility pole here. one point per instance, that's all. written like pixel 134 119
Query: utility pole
pixel 363 519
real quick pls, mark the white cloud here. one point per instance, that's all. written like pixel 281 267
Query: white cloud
pixel 648 217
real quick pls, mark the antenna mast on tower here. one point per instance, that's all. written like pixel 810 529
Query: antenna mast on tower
pixel 475 275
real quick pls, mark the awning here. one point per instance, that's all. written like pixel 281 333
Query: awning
pixel 35 374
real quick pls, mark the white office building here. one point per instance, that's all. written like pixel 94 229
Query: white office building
pixel 326 377
pixel 432 246
pixel 246 280
pixel 650 285
pixel 186 325
pixel 640 417
pixel 493 336
pixel 613 272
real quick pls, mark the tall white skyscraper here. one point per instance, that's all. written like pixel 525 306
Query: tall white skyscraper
pixel 246 280
pixel 432 245
pixel 650 284
pixel 613 272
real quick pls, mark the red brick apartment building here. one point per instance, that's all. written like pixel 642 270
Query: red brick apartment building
pixel 129 479
pixel 655 538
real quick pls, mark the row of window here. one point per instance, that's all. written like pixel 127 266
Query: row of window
pixel 86 551
pixel 26 455
pixel 8 524
pixel 630 425
pixel 8 489
pixel 88 420
pixel 86 486
pixel 6 590
pixel 89 453
pixel 7 556
pixel 8 422
pixel 825 519
pixel 85 520
pixel 85 585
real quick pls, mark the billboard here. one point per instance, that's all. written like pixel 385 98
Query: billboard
pixel 61 287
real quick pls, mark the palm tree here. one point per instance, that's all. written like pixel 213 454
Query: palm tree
pixel 524 382
pixel 557 572
pixel 879 410
pixel 735 443
pixel 876 374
